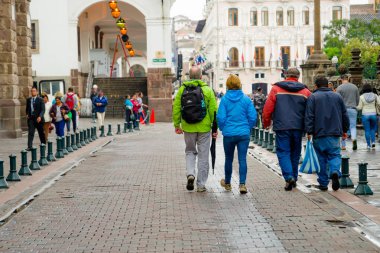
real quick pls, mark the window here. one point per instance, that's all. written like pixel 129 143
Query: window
pixel 309 51
pixel 264 17
pixel 306 16
pixel 79 44
pixel 233 16
pixel 285 50
pixel 291 16
pixel 259 56
pixel 234 57
pixel 337 13
pixel 35 36
pixel 280 16
pixel 253 19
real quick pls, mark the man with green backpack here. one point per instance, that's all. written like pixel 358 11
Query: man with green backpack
pixel 193 115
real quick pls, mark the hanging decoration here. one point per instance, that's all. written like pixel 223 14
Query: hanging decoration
pixel 120 23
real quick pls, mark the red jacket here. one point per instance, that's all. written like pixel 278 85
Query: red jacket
pixel 286 105
pixel 136 105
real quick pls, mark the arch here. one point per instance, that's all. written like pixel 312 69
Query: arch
pixel 264 16
pixel 305 15
pixel 138 70
pixel 280 16
pixel 253 16
pixel 290 16
pixel 233 55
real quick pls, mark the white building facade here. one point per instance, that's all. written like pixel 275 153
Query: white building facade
pixel 251 38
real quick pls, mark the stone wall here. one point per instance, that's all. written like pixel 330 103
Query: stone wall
pixel 160 93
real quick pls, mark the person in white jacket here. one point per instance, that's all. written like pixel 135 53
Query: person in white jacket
pixel 47 118
pixel 368 104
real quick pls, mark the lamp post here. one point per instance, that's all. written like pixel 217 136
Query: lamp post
pixel 334 61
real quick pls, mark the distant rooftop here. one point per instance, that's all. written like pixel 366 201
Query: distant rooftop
pixel 363 12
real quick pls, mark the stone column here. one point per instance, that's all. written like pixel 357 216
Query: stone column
pixel 9 90
pixel 317 59
pixel 356 68
pixel 24 60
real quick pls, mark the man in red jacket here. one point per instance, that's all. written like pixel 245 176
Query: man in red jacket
pixel 286 105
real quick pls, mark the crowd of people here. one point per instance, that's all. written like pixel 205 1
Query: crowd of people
pixel 327 116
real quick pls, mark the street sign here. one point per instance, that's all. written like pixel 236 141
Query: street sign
pixel 160 60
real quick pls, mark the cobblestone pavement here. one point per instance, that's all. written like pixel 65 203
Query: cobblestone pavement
pixel 131 197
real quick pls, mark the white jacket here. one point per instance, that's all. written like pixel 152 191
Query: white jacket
pixel 367 103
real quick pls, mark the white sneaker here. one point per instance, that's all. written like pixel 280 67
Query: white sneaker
pixel 201 189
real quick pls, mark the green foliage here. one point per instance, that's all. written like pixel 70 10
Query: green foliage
pixel 344 35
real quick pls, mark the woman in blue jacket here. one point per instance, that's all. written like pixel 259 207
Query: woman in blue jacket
pixel 236 117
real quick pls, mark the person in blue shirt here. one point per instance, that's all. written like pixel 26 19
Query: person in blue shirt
pixel 128 109
pixel 236 117
pixel 100 103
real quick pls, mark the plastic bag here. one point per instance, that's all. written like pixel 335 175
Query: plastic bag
pixel 310 163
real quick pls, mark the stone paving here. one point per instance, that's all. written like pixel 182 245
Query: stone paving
pixel 131 197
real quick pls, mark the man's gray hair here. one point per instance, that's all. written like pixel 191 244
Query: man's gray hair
pixel 195 73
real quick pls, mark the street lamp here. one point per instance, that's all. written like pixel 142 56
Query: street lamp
pixel 334 61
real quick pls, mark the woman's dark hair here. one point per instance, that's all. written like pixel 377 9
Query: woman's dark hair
pixel 367 88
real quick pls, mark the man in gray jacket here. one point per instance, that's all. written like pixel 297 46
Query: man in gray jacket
pixel 350 95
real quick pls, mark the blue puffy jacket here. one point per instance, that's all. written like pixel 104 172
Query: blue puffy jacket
pixel 236 114
pixel 100 100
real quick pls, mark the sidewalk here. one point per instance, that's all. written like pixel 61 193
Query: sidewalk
pixel 131 197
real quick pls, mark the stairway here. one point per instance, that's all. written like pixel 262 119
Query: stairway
pixel 115 89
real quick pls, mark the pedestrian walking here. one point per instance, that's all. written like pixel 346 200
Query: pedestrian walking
pixel 71 100
pixel 35 110
pixel 350 95
pixel 193 115
pixel 135 109
pixel 47 118
pixel 326 120
pixel 78 110
pixel 259 101
pixel 59 114
pixel 140 97
pixel 128 109
pixel 100 103
pixel 369 104
pixel 236 117
pixel 93 95
pixel 286 106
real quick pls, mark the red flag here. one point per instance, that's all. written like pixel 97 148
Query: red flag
pixel 242 57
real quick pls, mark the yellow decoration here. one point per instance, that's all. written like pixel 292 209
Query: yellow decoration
pixel 123 31
pixel 113 4
pixel 115 13
pixel 128 45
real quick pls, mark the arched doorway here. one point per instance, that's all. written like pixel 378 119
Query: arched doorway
pixel 138 70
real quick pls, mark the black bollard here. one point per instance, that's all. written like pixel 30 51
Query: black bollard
pixel 147 120
pixel 82 142
pixel 68 144
pixel 266 139
pixel 102 132
pixel 89 135
pixel 3 183
pixel 363 188
pixel 109 130
pixel 95 133
pixel 13 176
pixel 257 135
pixel 130 127
pixel 24 170
pixel 125 127
pixel 252 137
pixel 85 137
pixel 50 156
pixel 274 146
pixel 261 137
pixel 137 128
pixel 345 181
pixel 59 154
pixel 43 161
pixel 34 164
pixel 270 144
pixel 77 140
pixel 63 145
pixel 73 144
pixel 118 129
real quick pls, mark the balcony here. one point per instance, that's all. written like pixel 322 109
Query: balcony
pixel 292 63
pixel 260 64
pixel 234 65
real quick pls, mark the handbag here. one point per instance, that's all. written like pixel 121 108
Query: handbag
pixel 377 107
pixel 68 116
pixel 310 163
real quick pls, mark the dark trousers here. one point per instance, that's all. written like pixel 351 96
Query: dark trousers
pixel 32 126
pixel 135 124
pixel 74 120
pixel 128 114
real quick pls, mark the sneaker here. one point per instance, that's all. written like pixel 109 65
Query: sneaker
pixel 243 189
pixel 190 183
pixel 323 188
pixel 343 148
pixel 225 186
pixel 201 189
pixel 368 148
pixel 295 184
pixel 289 184
pixel 335 181
pixel 373 146
pixel 354 145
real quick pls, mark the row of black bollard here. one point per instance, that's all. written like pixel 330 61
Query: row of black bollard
pixel 264 138
pixel 65 145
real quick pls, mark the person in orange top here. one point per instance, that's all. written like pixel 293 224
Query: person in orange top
pixel 286 106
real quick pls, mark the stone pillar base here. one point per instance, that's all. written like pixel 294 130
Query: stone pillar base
pixel 10 118
pixel 160 93
pixel 311 67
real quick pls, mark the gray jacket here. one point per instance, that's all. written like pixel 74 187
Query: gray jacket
pixel 350 95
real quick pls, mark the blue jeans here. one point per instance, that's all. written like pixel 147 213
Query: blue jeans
pixel 353 117
pixel 60 128
pixel 289 147
pixel 328 152
pixel 369 124
pixel 242 143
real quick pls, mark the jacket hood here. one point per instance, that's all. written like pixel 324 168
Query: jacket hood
pixel 199 83
pixel 291 85
pixel 369 97
pixel 234 95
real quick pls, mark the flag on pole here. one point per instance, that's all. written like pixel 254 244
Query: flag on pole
pixel 280 56
pixel 297 54
pixel 242 57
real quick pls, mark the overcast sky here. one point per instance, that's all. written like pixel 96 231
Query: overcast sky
pixel 194 8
